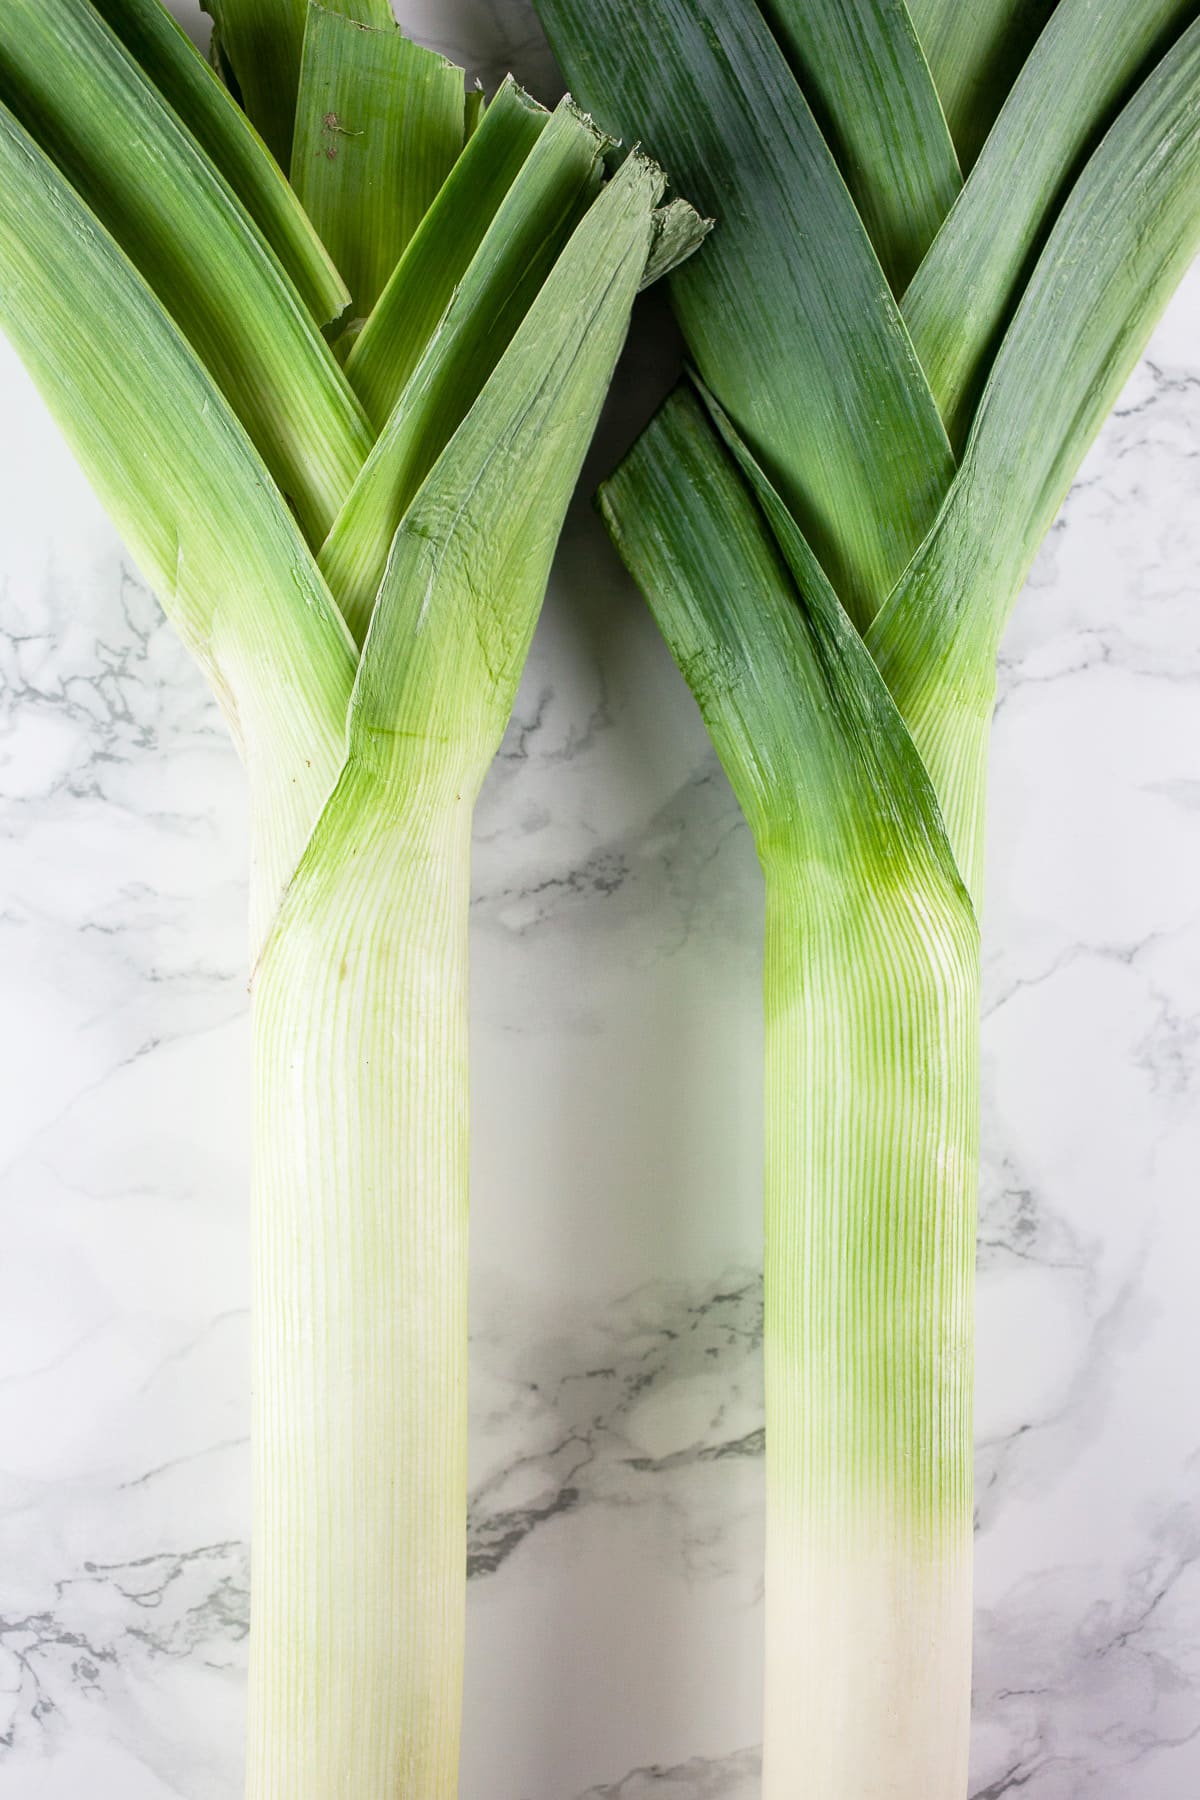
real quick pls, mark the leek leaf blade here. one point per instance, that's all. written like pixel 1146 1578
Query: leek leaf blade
pixel 554 187
pixel 814 746
pixel 1127 232
pixel 379 125
pixel 865 77
pixel 186 490
pixel 1084 66
pixel 92 109
pixel 806 352
pixel 389 346
pixel 975 49
pixel 262 40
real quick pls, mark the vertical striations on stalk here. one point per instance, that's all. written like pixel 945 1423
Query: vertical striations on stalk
pixel 832 580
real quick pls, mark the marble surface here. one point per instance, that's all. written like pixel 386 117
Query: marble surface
pixel 615 1601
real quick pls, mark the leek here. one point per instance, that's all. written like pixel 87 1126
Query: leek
pixel 165 288
pixel 832 578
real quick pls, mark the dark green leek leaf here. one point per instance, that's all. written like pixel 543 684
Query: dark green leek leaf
pixel 865 77
pixel 787 313
pixel 1082 69
pixel 817 754
pixel 76 88
pixel 194 91
pixel 807 572
pixel 379 126
pixel 554 188
pixel 975 49
pixel 390 345
pixel 1125 235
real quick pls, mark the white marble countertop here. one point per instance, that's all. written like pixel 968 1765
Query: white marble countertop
pixel 615 1605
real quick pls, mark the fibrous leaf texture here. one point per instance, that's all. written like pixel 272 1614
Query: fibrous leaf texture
pixel 831 519
pixel 338 421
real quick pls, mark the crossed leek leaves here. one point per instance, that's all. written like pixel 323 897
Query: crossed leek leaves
pixel 945 234
pixel 269 382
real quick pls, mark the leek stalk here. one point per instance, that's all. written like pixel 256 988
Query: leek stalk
pixel 848 687
pixel 176 343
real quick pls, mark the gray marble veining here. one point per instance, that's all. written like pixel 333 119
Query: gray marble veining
pixel 615 1537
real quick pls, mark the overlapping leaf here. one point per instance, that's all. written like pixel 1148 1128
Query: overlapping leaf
pixel 201 101
pixel 1127 232
pixel 866 79
pixel 81 95
pixel 1038 292
pixel 1080 72
pixel 379 126
pixel 787 313
pixel 185 487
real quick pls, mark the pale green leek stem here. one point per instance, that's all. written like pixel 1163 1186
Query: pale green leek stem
pixel 871 1064
pixel 360 1220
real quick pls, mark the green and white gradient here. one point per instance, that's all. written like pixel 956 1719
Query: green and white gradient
pixel 832 578
pixel 189 375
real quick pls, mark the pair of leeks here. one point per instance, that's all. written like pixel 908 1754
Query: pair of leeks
pixel 338 421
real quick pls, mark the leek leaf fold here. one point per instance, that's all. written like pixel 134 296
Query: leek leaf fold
pixel 389 345
pixel 379 126
pixel 865 77
pixel 81 95
pixel 200 99
pixel 1088 61
pixel 806 352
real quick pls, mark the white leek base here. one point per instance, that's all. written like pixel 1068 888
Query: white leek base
pixel 868 1654
pixel 869 1264
pixel 358 1555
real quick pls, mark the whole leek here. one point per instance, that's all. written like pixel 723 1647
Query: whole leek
pixel 943 234
pixel 175 304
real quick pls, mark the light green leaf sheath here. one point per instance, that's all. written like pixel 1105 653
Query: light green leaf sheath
pixel 1127 232
pixel 975 49
pixel 379 126
pixel 867 81
pixel 554 187
pixel 390 345
pixel 76 88
pixel 1083 68
pixel 200 100
pixel 806 352
pixel 187 492
pixel 870 1011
